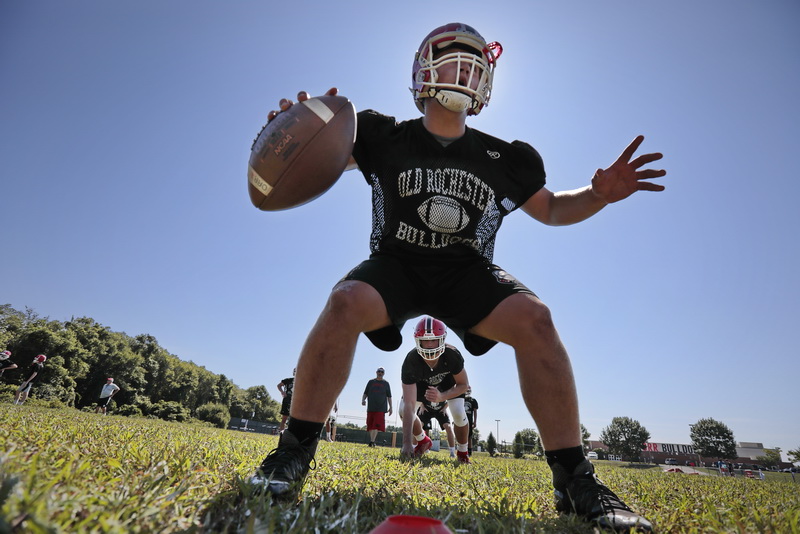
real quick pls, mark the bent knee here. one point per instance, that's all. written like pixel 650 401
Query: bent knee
pixel 535 319
pixel 460 421
pixel 359 302
pixel 531 325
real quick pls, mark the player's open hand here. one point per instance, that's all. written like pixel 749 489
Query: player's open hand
pixel 302 96
pixel 623 177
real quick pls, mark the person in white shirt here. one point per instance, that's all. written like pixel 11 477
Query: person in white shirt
pixel 109 390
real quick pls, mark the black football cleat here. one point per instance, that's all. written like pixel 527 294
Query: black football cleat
pixel 284 470
pixel 583 494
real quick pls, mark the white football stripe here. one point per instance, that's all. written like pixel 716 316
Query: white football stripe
pixel 321 110
pixel 258 182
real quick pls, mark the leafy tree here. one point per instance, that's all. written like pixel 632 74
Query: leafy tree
pixel 157 364
pixel 225 390
pixel 491 444
pixel 771 458
pixel 585 435
pixel 794 455
pixel 11 323
pixel 82 353
pixel 713 439
pixel 531 441
pixel 518 447
pixel 625 437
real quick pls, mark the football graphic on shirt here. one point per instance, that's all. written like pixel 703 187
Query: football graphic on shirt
pixel 443 214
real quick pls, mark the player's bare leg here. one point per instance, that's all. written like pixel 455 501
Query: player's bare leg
pixel 322 371
pixel 461 434
pixel 451 436
pixel 327 356
pixel 548 388
pixel 545 372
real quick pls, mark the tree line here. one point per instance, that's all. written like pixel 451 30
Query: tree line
pixel 626 437
pixel 82 353
pixel 710 438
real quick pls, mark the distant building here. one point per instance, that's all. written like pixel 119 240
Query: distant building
pixel 685 454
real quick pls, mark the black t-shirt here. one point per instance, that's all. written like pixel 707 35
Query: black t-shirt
pixel 433 407
pixel 416 371
pixel 288 386
pixel 428 199
pixel 35 368
pixel 378 393
pixel 470 405
pixel 6 363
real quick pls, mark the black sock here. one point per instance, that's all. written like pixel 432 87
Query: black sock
pixel 566 458
pixel 305 431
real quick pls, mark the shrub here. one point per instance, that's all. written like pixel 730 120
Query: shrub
pixel 129 410
pixel 170 411
pixel 214 413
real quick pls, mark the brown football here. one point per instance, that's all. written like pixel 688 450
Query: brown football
pixel 301 153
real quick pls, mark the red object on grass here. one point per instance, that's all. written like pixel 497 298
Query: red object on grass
pixel 410 524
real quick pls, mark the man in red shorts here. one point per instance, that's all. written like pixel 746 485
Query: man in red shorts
pixel 379 394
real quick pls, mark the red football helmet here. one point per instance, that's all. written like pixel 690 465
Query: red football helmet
pixel 430 328
pixel 471 52
pixel 6 354
pixel 40 358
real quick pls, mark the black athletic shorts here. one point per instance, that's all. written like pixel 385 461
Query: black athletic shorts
pixel 427 416
pixel 459 292
pixel 286 404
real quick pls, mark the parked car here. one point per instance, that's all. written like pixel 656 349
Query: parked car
pixel 591 455
pixel 671 461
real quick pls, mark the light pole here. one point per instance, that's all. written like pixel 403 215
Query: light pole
pixel 498 434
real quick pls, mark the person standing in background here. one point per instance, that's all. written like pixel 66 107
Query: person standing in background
pixel 5 363
pixel 106 394
pixel 471 407
pixel 33 376
pixel 286 386
pixel 379 394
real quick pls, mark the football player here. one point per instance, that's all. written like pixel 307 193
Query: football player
pixel 433 372
pixel 440 191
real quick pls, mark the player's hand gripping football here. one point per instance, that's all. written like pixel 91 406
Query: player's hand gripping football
pixel 302 96
pixel 623 177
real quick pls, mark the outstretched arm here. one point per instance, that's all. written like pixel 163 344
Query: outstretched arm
pixel 617 182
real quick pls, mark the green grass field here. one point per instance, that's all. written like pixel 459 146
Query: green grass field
pixel 70 471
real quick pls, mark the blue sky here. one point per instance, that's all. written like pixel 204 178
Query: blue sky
pixel 126 129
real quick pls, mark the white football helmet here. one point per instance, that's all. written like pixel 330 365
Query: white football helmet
pixel 470 51
pixel 430 328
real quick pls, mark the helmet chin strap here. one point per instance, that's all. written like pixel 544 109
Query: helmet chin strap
pixel 453 100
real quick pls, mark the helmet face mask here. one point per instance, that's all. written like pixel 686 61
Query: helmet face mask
pixel 430 329
pixel 471 53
